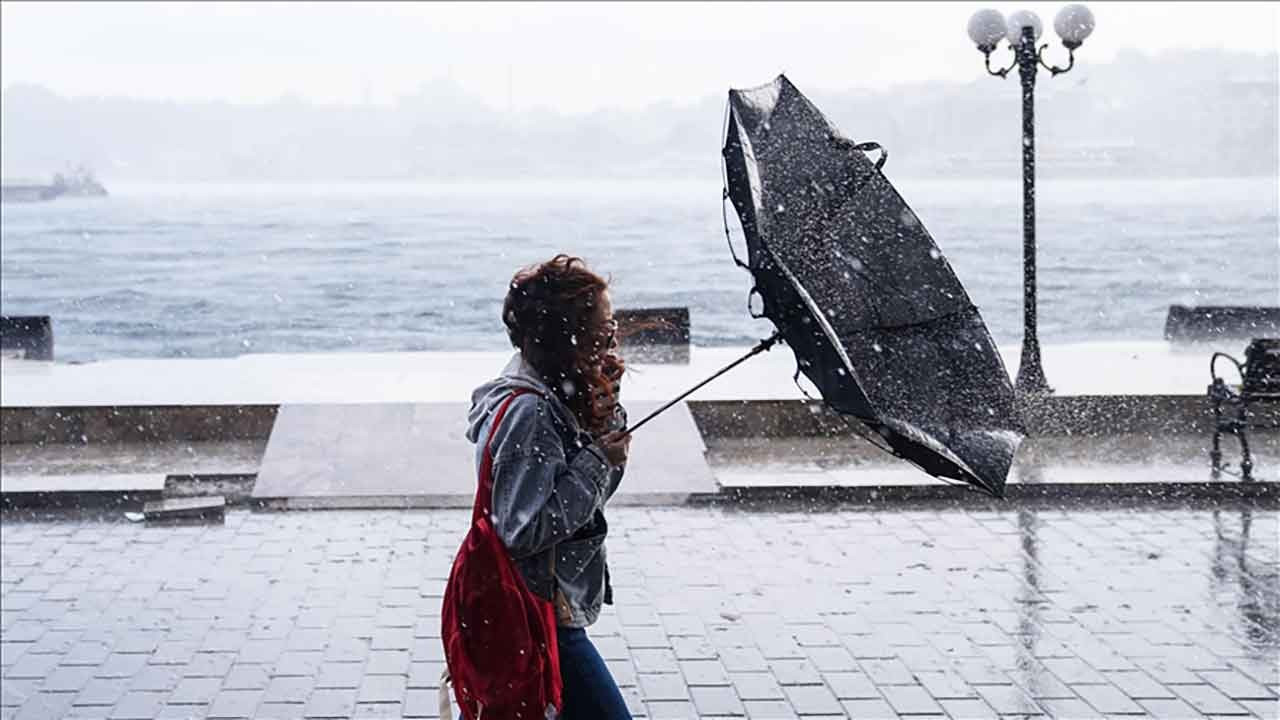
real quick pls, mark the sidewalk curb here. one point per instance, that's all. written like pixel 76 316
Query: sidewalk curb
pixel 1263 494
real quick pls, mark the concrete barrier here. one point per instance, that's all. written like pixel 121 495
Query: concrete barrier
pixel 29 336
pixel 1086 415
pixel 1081 415
pixel 1221 322
pixel 138 423
pixel 654 335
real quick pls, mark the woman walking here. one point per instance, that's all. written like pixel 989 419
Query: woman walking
pixel 547 430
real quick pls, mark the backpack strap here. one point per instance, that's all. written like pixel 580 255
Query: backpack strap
pixel 483 505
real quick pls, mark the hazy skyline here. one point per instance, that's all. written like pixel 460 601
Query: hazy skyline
pixel 568 57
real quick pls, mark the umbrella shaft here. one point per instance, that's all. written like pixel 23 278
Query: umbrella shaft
pixel 759 348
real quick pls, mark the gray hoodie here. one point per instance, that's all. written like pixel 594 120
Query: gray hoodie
pixel 550 485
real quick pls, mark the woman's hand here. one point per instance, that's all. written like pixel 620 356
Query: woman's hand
pixel 616 445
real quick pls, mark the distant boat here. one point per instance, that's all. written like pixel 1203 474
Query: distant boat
pixel 80 183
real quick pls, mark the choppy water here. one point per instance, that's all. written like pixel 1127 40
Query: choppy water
pixel 221 270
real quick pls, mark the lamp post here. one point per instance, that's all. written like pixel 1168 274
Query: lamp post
pixel 987 28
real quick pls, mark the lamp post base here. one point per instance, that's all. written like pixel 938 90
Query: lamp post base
pixel 1031 379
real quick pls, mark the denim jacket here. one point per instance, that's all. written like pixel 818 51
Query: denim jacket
pixel 550 485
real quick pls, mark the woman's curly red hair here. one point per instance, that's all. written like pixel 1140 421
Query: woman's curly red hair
pixel 552 316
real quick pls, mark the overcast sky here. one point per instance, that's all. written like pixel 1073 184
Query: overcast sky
pixel 573 57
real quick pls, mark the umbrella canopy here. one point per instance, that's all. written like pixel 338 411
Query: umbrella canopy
pixel 859 290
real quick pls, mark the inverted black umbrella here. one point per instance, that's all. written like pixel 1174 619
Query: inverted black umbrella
pixel 859 290
pixel 862 294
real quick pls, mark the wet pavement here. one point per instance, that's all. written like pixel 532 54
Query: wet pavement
pixel 1081 612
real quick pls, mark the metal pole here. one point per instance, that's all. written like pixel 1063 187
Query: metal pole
pixel 760 347
pixel 1031 378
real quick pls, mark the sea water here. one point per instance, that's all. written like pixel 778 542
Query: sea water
pixel 205 270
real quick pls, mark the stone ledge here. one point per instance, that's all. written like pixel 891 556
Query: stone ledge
pixel 135 423
pixel 1264 495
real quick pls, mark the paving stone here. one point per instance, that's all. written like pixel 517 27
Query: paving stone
pixel 743 659
pixel 55 642
pixel 379 710
pixel 337 675
pixel 282 711
pixel 15 692
pixel 421 704
pixel 32 667
pixel 1039 682
pixel 670 709
pixel 67 679
pixel 102 691
pixel 429 650
pixel 756 686
pixel 209 664
pixel 611 647
pixel 1104 623
pixel 623 672
pixel 1209 700
pixel 664 686
pixel 643 636
pixel 911 700
pixel 425 675
pixel 195 691
pixel 703 672
pixel 174 652
pixel 1236 685
pixel 265 652
pixel 382 689
pixel 1160 708
pixel 1074 671
pixel 1138 684
pixel 831 659
pixel 888 672
pixel 331 704
pixel 138 705
pixel 1108 699
pixel 144 642
pixel 812 699
pixel 87 712
pixel 869 709
pixel 1267 709
pixel 795 672
pixel 1075 709
pixel 973 709
pixel 1008 699
pixel 945 684
pixel 288 690
pixel 768 710
pixel 87 653
pixel 156 678
pixel 716 701
pixel 11 651
pixel 655 660
pixel 691 647
pixel 851 685
pixel 121 666
pixel 236 704
pixel 44 706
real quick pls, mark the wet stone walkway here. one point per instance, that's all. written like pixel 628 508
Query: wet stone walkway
pixel 961 613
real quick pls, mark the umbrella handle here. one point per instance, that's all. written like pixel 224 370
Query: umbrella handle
pixel 760 347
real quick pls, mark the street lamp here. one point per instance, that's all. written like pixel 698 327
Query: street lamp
pixel 987 28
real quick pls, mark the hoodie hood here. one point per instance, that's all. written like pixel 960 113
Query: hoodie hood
pixel 516 376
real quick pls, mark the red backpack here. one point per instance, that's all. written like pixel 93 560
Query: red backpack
pixel 499 637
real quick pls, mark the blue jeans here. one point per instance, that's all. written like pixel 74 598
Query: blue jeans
pixel 590 692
